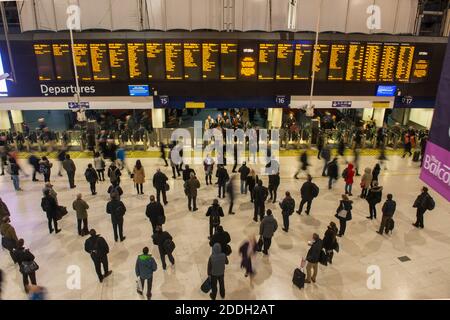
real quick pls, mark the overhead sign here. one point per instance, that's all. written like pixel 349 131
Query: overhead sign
pixel 164 101
pixel 381 104
pixel 282 101
pixel 139 90
pixel 386 91
pixel 341 104
pixel 194 105
pixel 78 105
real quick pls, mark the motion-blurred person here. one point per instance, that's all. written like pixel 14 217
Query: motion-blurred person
pixel 287 209
pixel 162 150
pixel 91 176
pixel 13 169
pixel 155 213
pixel 80 206
pixel 326 156
pixel 139 177
pixel 231 193
pixel 165 244
pixel 117 210
pixel 33 160
pixel 303 164
pixel 98 248
pixel 308 191
pixel 423 147
pixel 260 197
pixel 247 250
pixel 356 161
pixel 144 268
pixel 332 172
pixel 267 229
pixel 61 156
pixel 250 183
pixel 160 184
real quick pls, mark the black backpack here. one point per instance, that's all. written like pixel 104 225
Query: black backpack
pixel 168 246
pixel 430 204
pixel 44 204
pixel 345 173
pixel 315 190
pixel 390 224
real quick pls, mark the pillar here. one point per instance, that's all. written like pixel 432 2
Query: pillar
pixel 17 119
pixel 4 120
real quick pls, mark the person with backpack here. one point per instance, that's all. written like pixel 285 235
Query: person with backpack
pixel 155 213
pixel 244 171
pixel 160 184
pixel 312 258
pixel 9 236
pixel 144 268
pixel 344 214
pixel 329 241
pixel 33 160
pixel 99 164
pixel 267 229
pixel 52 192
pixel 214 213
pixel 388 210
pixel 27 265
pixel 70 168
pixel 373 198
pixel 45 168
pixel 348 175
pixel 80 206
pixel 366 181
pixel 216 271
pixel 223 238
pixel 91 176
pixel 115 188
pixel 165 244
pixel 117 210
pixel 114 174
pixel 260 196
pixel 208 166
pixel 423 203
pixel 332 172
pixel 274 183
pixel 222 179
pixel 287 209
pixel 50 206
pixel 191 186
pixel 98 248
pixel 308 192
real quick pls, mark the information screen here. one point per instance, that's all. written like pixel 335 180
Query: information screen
pixel 192 61
pixel 320 64
pixel 228 61
pixel 372 62
pixel 99 60
pixel 155 61
pixel 210 65
pixel 388 62
pixel 82 61
pixel 421 65
pixel 248 57
pixel 285 57
pixel 338 58
pixel 174 61
pixel 302 61
pixel 404 63
pixel 44 59
pixel 63 61
pixel 118 61
pixel 266 61
pixel 136 61
pixel 355 62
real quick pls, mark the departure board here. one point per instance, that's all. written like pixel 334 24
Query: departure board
pixel 44 60
pixel 99 61
pixel 285 57
pixel 320 64
pixel 192 61
pixel 118 61
pixel 421 65
pixel 63 61
pixel 338 57
pixel 136 60
pixel 82 61
pixel 174 60
pixel 210 65
pixel 404 63
pixel 388 62
pixel 228 61
pixel 248 58
pixel 372 62
pixel 302 61
pixel 267 61
pixel 355 62
pixel 155 61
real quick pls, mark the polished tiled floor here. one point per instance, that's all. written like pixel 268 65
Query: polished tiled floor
pixel 427 275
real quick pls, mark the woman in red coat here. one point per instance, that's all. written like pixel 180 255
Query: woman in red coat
pixel 348 175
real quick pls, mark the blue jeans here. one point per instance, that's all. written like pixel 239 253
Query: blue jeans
pixel 348 188
pixel 15 180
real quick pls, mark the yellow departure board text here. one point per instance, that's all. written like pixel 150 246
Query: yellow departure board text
pixel 355 62
pixel 404 63
pixel 388 62
pixel 174 61
pixel 99 60
pixel 136 60
pixel 371 62
pixel 118 61
pixel 338 55
pixel 81 52
pixel 210 63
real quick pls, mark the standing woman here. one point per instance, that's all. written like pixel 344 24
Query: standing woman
pixel 247 250
pixel 139 176
pixel 251 181
pixel 329 241
pixel 366 180
pixel 45 168
pixel 344 214
pixel 99 164
pixel 208 165
pixel 28 267
pixel 375 173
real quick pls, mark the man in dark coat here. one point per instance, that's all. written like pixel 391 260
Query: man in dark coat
pixel 155 212
pixel 159 183
pixel 33 160
pixel 332 172
pixel 388 210
pixel 187 172
pixel 98 248
pixel 214 213
pixel 190 187
pixel 267 229
pixel 308 192
pixel 91 177
pixel 421 204
pixel 117 210
pixel 244 172
pixel 287 208
pixel 50 206
pixel 70 168
pixel 159 238
pixel 260 196
pixel 274 182
pixel 222 178
pixel 223 238
pixel 312 258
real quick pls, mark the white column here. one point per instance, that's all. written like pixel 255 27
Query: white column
pixel 277 116
pixel 4 120
pixel 378 116
pixel 158 118
pixel 17 116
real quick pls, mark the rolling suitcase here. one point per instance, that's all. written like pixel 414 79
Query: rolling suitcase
pixel 299 278
pixel 416 156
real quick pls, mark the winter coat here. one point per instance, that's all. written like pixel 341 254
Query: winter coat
pixel 375 173
pixel 159 180
pixel 21 255
pixel 159 238
pixel 4 211
pixel 345 205
pixel 274 181
pixel 329 240
pixel 421 201
pixel 99 163
pixel 155 212
pixel 69 165
pixel 268 226
pixel 251 182
pixel 187 174
pixel 80 206
pixel 217 261
pixel 374 195
pixel 51 206
pixel 222 176
pixel 366 179
pixel 145 266
pixel 244 172
pixel 332 170
pixel 191 187
pixel 287 206
pixel 325 153
pixel 350 174
pixel 8 231
pixel 313 254
pixel 117 189
pixel 96 246
pixel 222 238
pixel 388 208
pixel 139 175
pixel 260 194
pixel 214 213
pixel 307 190
pixel 91 175
pixel 116 209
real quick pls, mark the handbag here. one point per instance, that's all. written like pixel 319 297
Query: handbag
pixel 61 212
pixel 27 267
pixel 342 214
pixel 139 285
pixel 259 245
pixel 206 285
pixel 8 243
pixel 336 246
pixel 167 187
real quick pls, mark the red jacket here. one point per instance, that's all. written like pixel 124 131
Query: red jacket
pixel 350 174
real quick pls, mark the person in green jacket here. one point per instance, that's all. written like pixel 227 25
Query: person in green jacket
pixel 145 266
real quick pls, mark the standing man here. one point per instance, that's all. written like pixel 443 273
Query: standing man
pixel 50 206
pixel 117 210
pixel 144 268
pixel 98 248
pixel 4 211
pixel 423 203
pixel 274 182
pixel 287 209
pixel 222 178
pixel 70 168
pixel 33 160
pixel 165 244
pixel 388 210
pixel 155 213
pixel 190 187
pixel 91 177
pixel 159 183
pixel 308 192
pixel 244 172
pixel 216 271
pixel 266 230
pixel 214 213
pixel 260 196
pixel 80 206
pixel 312 258
pixel 187 173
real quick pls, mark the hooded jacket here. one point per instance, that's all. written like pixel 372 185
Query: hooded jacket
pixel 366 179
pixel 350 174
pixel 217 261
pixel 191 187
pixel 332 170
pixel 314 252
pixel 159 180
pixel 145 266
pixel 214 213
pixel 374 195
pixel 8 231
pixel 268 226
pixel 389 208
